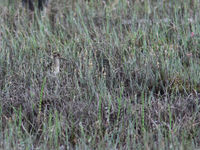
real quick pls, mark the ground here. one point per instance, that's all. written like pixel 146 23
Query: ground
pixel 128 75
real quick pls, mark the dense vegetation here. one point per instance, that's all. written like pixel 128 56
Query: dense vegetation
pixel 129 75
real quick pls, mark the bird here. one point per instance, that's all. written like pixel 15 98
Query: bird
pixel 54 67
pixel 56 63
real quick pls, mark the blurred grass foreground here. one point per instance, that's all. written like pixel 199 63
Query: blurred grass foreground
pixel 100 74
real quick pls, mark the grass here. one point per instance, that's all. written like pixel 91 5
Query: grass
pixel 129 76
